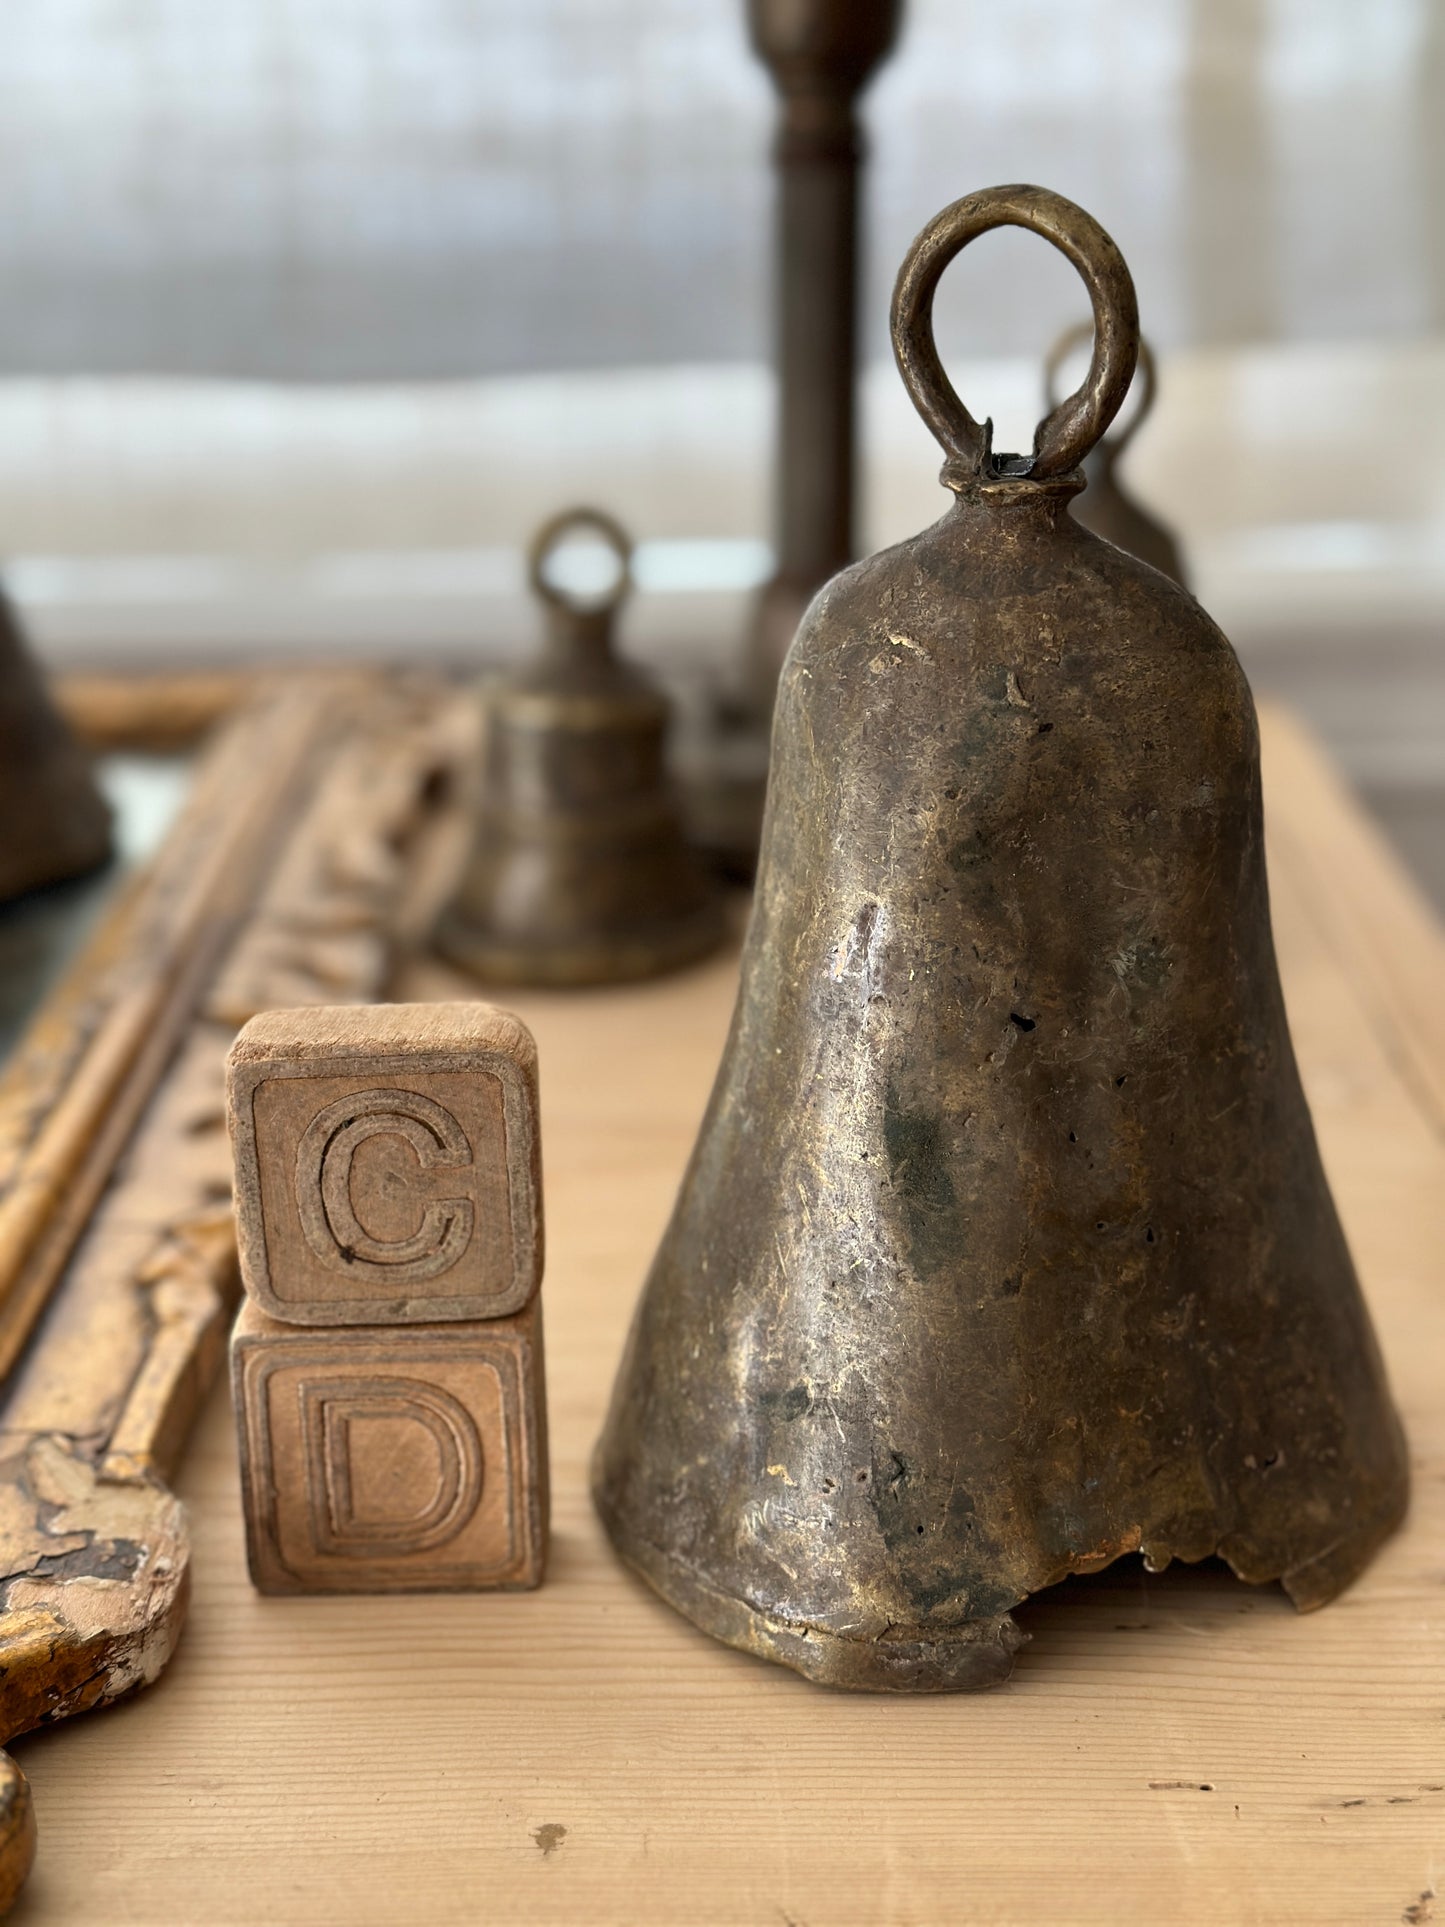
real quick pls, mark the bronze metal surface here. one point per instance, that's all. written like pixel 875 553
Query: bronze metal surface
pixel 55 822
pixel 1107 506
pixel 580 871
pixel 1005 1248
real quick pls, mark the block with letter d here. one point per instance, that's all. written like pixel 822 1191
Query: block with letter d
pixel 387 1369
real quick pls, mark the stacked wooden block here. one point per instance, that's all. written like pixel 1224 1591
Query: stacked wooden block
pixel 387 1364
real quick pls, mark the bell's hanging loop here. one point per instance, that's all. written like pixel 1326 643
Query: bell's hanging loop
pixel 550 537
pixel 579 625
pixel 1070 430
pixel 553 536
pixel 1144 389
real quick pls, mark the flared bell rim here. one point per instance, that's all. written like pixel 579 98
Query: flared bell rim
pixel 978 1653
pixel 645 949
pixel 968 1658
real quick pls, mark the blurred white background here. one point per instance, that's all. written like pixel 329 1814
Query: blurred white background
pixel 361 189
pixel 312 308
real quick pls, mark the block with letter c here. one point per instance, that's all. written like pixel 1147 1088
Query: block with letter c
pixel 387 1163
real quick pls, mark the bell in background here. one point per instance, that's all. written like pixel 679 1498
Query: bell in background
pixel 1005 1248
pixel 1107 507
pixel 55 822
pixel 580 873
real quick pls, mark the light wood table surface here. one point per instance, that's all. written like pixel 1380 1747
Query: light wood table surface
pixel 1171 1748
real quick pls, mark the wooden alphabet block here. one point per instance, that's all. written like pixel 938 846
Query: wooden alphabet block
pixel 387 1163
pixel 382 1460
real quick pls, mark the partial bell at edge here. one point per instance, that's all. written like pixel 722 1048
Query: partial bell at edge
pixel 56 823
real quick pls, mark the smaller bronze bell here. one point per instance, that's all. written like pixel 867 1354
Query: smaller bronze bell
pixel 580 873
pixel 1107 507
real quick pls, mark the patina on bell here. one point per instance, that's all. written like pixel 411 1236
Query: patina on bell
pixel 580 872
pixel 1108 506
pixel 1005 1248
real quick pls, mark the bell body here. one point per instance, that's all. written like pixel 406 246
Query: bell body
pixel 1109 509
pixel 1005 1248
pixel 1107 506
pixel 580 871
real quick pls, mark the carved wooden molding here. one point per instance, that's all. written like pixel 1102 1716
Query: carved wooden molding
pixel 319 834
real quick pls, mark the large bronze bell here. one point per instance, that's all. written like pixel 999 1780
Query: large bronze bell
pixel 580 872
pixel 1107 506
pixel 1005 1248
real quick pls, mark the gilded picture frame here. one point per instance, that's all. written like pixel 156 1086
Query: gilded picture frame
pixel 320 832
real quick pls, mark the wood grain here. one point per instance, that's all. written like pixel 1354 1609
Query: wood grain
pixel 1180 1747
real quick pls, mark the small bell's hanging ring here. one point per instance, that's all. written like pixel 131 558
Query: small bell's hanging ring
pixel 1107 506
pixel 1005 1249
pixel 580 873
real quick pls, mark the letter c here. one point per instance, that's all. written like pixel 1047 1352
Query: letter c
pixel 323 1185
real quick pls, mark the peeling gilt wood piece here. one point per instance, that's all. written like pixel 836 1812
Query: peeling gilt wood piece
pixel 392 1459
pixel 160 712
pixel 17 1832
pixel 350 885
pixel 117 1257
pixel 73 1093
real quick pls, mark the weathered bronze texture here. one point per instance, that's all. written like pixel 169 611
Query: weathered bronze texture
pixel 580 872
pixel 1005 1248
pixel 1107 506
pixel 55 822
pixel 821 54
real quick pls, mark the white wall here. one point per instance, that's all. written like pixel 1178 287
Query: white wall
pixel 416 188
